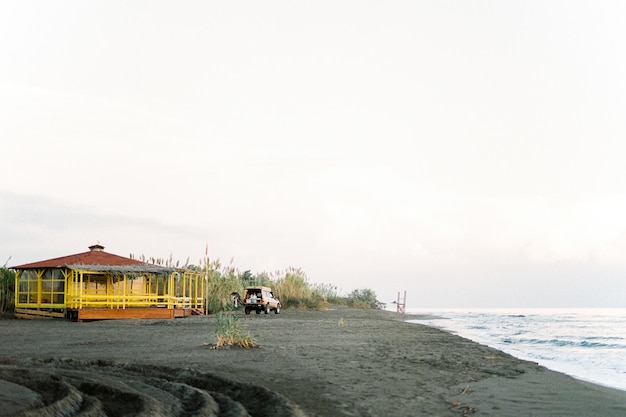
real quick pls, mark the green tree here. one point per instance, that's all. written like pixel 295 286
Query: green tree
pixel 247 278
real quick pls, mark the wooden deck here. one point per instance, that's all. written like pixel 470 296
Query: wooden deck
pixel 131 313
pixel 88 314
pixel 30 314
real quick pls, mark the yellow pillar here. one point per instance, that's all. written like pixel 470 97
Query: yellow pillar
pixel 40 273
pixel 81 281
pixel 16 293
pixel 109 290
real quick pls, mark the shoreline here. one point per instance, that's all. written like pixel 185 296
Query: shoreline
pixel 554 361
pixel 339 362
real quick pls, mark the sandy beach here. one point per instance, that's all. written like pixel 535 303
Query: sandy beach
pixel 340 362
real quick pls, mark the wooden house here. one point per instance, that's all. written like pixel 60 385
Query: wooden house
pixel 98 285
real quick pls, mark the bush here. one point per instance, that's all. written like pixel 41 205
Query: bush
pixel 294 291
pixel 219 289
pixel 327 292
pixel 229 332
pixel 364 298
pixel 291 286
pixel 7 290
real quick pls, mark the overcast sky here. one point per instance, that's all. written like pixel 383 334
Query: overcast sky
pixel 468 152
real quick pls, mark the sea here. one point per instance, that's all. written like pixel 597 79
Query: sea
pixel 588 344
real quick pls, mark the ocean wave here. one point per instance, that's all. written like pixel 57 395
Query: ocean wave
pixel 587 343
pixel 565 343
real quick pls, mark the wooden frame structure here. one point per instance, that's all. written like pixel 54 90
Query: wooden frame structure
pixel 97 285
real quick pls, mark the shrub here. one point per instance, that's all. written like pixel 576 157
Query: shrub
pixel 222 281
pixel 364 298
pixel 219 289
pixel 291 286
pixel 293 290
pixel 328 294
pixel 7 290
pixel 229 332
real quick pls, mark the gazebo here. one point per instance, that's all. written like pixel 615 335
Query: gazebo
pixel 97 285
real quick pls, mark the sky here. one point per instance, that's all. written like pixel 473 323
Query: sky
pixel 469 153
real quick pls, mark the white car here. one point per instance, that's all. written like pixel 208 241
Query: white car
pixel 260 299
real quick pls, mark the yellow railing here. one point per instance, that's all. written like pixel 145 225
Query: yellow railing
pixel 94 289
pixel 132 301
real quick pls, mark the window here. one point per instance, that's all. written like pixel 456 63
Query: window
pixel 52 287
pixel 27 287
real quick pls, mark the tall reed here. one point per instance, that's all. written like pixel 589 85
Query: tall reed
pixel 291 286
pixel 293 289
pixel 7 290
pixel 222 281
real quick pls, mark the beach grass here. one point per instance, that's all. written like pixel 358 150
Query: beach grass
pixel 7 289
pixel 229 332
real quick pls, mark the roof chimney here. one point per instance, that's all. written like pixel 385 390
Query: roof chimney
pixel 96 248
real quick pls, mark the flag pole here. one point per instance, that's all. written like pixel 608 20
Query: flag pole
pixel 206 279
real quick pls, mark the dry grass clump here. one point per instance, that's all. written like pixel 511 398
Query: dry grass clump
pixel 230 333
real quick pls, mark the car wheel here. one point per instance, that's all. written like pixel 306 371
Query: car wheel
pixel 267 308
pixel 247 310
pixel 277 310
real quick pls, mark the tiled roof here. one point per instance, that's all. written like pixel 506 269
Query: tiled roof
pixel 96 256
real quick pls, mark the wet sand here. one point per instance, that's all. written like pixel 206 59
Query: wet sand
pixel 341 362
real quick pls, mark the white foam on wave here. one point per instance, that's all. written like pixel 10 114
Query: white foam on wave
pixel 589 344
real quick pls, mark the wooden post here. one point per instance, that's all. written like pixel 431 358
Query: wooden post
pixel 401 304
